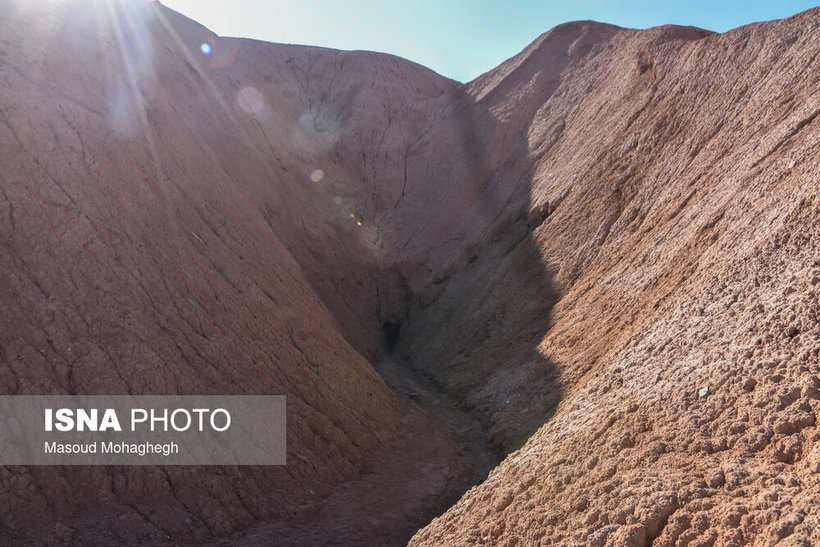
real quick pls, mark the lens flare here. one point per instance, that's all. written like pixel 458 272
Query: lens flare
pixel 317 175
pixel 250 100
pixel 223 52
pixel 206 49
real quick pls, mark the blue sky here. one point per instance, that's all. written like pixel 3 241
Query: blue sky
pixel 457 38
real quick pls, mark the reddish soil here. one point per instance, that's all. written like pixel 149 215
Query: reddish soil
pixel 442 452
pixel 683 247
pixel 598 262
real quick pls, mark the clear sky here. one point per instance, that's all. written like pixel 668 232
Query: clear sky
pixel 458 38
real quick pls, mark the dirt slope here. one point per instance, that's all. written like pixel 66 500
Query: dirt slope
pixel 154 241
pixel 234 223
pixel 681 172
pixel 603 250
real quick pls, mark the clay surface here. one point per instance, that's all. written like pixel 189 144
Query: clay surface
pixel 597 264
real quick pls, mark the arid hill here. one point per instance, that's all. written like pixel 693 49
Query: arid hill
pixel 681 172
pixel 598 262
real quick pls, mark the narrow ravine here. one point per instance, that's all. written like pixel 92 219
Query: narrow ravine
pixel 441 453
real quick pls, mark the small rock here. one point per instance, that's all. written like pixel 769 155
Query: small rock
pixel 813 460
pixel 626 441
pixel 629 536
pixel 504 501
pixel 592 517
pixel 794 422
pixel 703 392
pixel 716 479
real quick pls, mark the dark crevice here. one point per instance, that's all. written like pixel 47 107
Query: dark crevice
pixel 391 330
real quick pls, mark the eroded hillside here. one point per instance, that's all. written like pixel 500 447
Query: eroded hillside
pixel 603 252
pixel 682 172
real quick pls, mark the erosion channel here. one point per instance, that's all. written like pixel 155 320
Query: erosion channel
pixel 442 452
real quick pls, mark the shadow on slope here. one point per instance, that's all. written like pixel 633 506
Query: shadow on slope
pixel 156 244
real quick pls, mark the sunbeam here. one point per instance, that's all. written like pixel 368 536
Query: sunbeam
pixel 137 47
pixel 213 49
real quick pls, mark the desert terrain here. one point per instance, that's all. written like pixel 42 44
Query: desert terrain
pixel 571 302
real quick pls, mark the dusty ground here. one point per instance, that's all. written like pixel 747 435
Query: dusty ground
pixel 600 258
pixel 442 452
pixel 684 251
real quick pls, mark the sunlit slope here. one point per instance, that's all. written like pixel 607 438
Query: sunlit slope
pixel 680 177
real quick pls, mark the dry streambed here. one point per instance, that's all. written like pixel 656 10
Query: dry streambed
pixel 442 452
